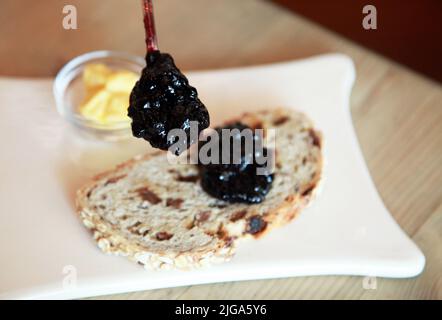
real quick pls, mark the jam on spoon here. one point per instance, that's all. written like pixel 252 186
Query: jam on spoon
pixel 162 99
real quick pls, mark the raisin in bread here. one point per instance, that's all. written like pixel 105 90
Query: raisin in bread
pixel 156 213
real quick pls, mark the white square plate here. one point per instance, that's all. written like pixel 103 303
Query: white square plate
pixel 47 253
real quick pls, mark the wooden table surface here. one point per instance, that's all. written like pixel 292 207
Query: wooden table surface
pixel 397 113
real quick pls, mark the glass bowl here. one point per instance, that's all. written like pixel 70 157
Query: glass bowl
pixel 69 92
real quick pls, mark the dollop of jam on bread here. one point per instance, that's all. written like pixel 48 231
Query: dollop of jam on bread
pixel 237 181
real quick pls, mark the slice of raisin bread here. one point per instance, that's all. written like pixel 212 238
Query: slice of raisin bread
pixel 156 213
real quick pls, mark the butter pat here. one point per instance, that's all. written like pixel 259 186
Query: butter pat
pixel 95 75
pixel 107 94
pixel 122 81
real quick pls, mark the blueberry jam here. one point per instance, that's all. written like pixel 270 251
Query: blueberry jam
pixel 240 181
pixel 163 100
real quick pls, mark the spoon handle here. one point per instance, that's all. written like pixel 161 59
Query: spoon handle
pixel 149 26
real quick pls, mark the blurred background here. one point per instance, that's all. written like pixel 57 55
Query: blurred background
pixel 33 42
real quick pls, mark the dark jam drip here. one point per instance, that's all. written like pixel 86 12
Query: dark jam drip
pixel 163 100
pixel 237 182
